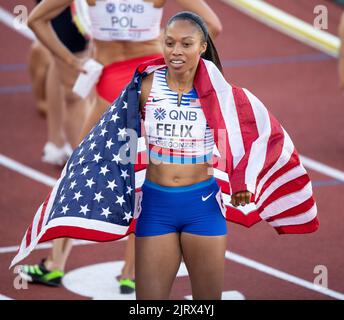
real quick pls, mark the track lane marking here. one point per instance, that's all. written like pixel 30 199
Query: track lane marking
pixel 27 171
pixel 42 246
pixel 288 24
pixel 48 245
pixel 282 275
pixel 322 168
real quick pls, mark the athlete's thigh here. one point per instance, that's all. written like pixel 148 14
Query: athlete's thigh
pixel 157 260
pixel 204 257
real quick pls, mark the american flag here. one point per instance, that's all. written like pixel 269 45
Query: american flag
pixel 98 194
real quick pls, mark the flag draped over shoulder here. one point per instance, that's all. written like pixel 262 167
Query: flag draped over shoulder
pixel 97 196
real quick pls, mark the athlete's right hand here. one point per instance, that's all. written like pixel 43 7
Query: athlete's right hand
pixel 241 198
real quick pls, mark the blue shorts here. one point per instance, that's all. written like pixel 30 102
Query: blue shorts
pixel 193 209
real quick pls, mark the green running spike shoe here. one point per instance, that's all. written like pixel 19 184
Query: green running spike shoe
pixel 38 273
pixel 126 286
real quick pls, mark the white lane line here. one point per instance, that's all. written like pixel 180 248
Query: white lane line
pixel 2 297
pixel 48 245
pixel 288 24
pixel 27 171
pixel 322 168
pixel 8 19
pixel 283 275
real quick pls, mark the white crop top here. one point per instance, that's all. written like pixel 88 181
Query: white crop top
pixel 176 134
pixel 127 20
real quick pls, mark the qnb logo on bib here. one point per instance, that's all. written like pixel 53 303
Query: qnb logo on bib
pixel 110 7
pixel 160 114
pixel 125 8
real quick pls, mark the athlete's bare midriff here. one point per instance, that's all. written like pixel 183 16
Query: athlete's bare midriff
pixel 174 175
pixel 107 52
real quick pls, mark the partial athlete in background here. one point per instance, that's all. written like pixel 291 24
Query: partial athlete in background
pixel 52 83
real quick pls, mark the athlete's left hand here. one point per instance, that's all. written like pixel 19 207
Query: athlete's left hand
pixel 241 198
